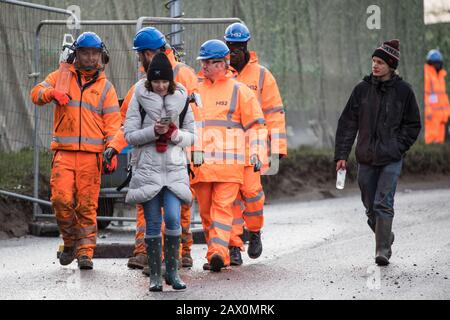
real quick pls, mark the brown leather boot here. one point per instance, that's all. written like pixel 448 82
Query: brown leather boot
pixel 139 261
pixel 186 260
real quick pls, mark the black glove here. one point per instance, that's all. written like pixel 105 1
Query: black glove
pixel 257 164
pixel 108 154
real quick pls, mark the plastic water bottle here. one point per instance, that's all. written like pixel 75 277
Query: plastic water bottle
pixel 65 76
pixel 340 179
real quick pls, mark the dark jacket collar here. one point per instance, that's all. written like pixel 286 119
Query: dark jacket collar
pixel 381 85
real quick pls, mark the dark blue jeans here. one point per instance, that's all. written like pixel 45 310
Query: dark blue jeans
pixel 377 185
pixel 153 215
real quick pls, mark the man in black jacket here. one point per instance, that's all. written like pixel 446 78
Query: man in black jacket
pixel 383 111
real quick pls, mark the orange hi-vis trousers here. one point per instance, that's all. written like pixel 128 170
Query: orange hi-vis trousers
pixel 248 207
pixel 215 200
pixel 75 187
pixel 186 234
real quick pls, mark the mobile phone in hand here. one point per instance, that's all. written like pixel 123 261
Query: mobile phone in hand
pixel 165 120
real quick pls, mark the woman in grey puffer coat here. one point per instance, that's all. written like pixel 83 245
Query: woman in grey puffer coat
pixel 160 177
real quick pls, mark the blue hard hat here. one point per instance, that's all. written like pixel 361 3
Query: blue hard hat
pixel 213 49
pixel 89 40
pixel 434 56
pixel 148 38
pixel 237 32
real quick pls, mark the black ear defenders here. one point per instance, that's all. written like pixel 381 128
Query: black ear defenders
pixel 105 54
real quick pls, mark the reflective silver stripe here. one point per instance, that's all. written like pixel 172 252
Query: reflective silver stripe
pixel 109 138
pixel 278 136
pixel 233 103
pixel 177 69
pixel 238 221
pixel 140 229
pixel 262 75
pixel 90 107
pixel 219 242
pixel 258 142
pixel 223 156
pixel 111 109
pixel 77 139
pixel 220 226
pixel 254 214
pixel 84 232
pixel 103 96
pixel 274 109
pixel 251 124
pixel 199 124
pixel 72 232
pixel 41 92
pixel 223 123
pixel 254 199
pixel 85 241
pixel 64 222
pixel 46 84
pixel 237 202
pixel 139 241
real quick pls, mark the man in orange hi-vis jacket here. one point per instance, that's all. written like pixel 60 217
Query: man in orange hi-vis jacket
pixel 148 42
pixel 230 109
pixel 86 119
pixel 437 108
pixel 248 207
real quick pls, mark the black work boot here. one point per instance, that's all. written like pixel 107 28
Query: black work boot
pixel 85 263
pixel 255 245
pixel 139 261
pixel 154 253
pixel 67 256
pixel 216 263
pixel 171 255
pixel 383 238
pixel 206 266
pixel 235 256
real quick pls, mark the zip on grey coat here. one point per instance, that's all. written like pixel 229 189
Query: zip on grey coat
pixel 153 170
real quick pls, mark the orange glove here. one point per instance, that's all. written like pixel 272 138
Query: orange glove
pixel 110 167
pixel 61 98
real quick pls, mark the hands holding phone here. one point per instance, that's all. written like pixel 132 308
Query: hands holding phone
pixel 162 126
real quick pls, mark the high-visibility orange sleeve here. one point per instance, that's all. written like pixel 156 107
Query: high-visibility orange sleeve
pixel 41 93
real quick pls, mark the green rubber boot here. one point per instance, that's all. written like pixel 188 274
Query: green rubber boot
pixel 154 262
pixel 171 253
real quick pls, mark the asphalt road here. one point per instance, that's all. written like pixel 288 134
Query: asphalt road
pixel 312 250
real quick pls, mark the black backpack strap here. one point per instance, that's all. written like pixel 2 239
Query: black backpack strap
pixel 143 113
pixel 183 113
pixel 126 181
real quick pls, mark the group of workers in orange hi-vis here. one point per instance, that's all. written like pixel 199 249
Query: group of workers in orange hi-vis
pixel 437 107
pixel 240 129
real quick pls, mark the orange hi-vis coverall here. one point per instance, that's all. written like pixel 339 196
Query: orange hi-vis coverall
pixel 437 108
pixel 81 130
pixel 186 76
pixel 229 109
pixel 251 198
